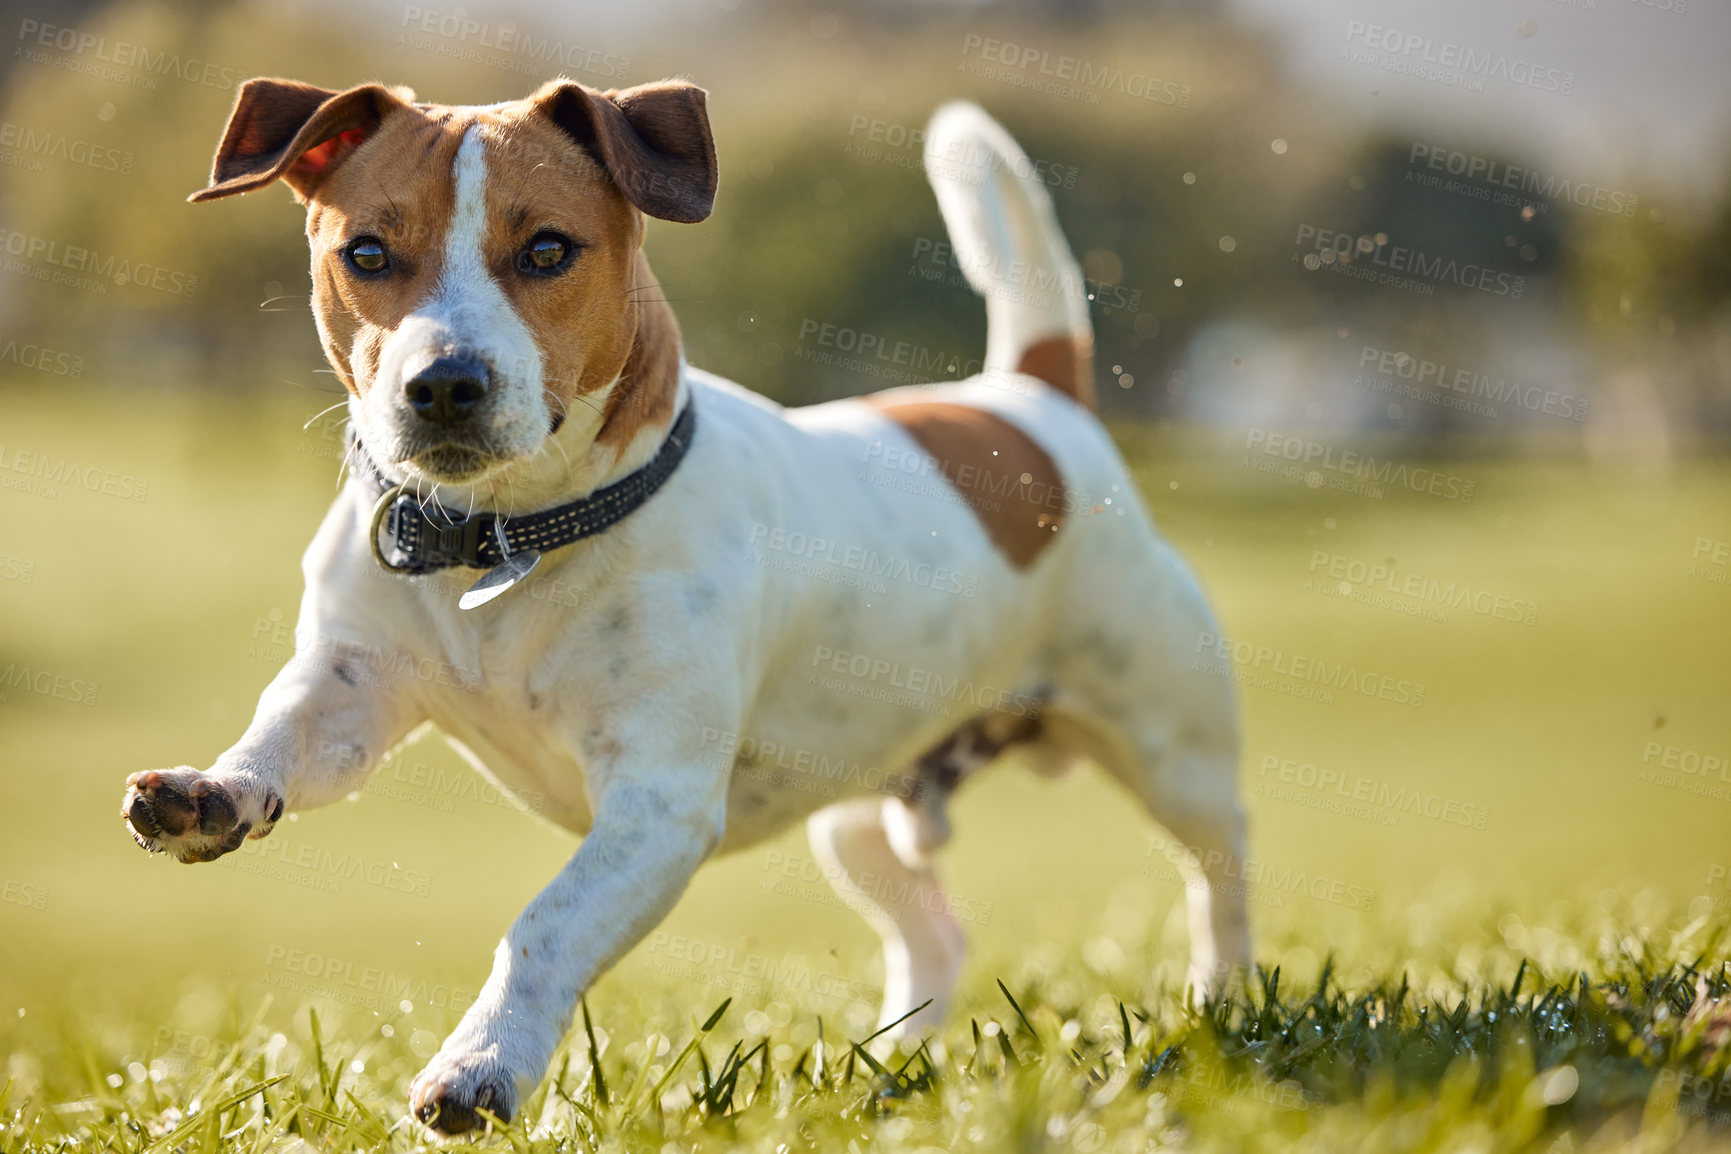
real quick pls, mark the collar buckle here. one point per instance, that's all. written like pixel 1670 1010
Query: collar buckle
pixel 419 542
pixel 457 541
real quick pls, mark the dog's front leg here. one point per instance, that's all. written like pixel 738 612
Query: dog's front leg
pixel 649 836
pixel 320 728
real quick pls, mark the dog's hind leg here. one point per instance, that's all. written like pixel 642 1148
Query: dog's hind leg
pixel 1191 792
pixel 1134 696
pixel 1185 776
pixel 923 945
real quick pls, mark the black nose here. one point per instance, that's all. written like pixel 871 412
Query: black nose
pixel 447 391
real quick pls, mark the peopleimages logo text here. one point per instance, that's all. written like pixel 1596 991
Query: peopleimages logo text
pixel 1305 668
pixel 1342 248
pixel 1361 466
pixel 31 143
pixel 65 471
pixel 124 54
pixel 1086 75
pixel 1539 186
pixel 107 269
pixel 509 40
pixel 1459 57
pixel 1451 378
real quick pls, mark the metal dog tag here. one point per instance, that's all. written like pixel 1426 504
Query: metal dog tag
pixel 502 576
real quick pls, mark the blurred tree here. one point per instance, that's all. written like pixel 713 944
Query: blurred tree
pixel 1184 203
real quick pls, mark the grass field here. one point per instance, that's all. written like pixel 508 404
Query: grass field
pixel 1567 817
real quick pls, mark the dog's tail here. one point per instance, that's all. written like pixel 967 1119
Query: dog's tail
pixel 1007 241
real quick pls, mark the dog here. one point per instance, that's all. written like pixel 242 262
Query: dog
pixel 923 578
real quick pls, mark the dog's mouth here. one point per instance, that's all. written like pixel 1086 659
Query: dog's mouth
pixel 453 463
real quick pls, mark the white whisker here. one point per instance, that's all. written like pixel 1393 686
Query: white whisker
pixel 321 413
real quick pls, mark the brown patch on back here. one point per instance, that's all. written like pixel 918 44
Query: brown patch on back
pixel 1010 482
pixel 1065 363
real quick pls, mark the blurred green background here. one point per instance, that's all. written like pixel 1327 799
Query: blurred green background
pixel 167 599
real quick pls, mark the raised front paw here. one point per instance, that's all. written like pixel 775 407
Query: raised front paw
pixel 450 1093
pixel 192 815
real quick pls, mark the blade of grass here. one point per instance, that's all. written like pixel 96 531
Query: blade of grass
pixel 685 1054
pixel 198 1119
pixel 884 1029
pixel 1038 1044
pixel 594 1057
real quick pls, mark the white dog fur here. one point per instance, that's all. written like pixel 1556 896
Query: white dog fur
pixel 681 624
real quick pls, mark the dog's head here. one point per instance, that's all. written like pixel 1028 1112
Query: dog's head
pixel 476 271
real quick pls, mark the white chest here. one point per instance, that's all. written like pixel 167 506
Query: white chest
pixel 514 737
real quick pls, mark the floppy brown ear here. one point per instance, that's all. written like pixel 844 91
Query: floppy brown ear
pixel 293 131
pixel 653 139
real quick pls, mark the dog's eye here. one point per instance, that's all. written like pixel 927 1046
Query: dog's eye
pixel 367 255
pixel 548 253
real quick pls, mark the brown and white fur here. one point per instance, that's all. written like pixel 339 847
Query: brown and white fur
pixel 672 628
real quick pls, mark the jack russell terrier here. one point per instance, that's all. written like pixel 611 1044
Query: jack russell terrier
pixel 519 402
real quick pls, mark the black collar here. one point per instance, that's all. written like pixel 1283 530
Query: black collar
pixel 408 538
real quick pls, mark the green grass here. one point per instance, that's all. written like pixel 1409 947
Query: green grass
pixel 1625 1057
pixel 113 964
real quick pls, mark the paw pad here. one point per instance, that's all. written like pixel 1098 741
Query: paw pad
pixel 454 1109
pixel 184 811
